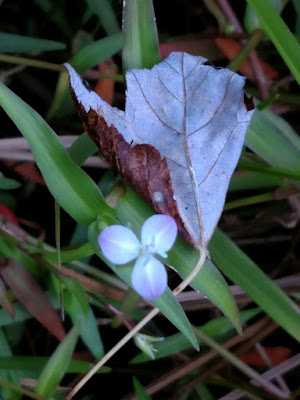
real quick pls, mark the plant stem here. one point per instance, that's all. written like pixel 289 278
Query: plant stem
pixel 260 198
pixel 246 50
pixel 31 62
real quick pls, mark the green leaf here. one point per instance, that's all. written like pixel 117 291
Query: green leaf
pixel 82 148
pixel 78 292
pixel 95 52
pixel 140 390
pixel 11 376
pixel 245 273
pixel 6 183
pixel 57 365
pixel 273 139
pixel 104 11
pixel 296 5
pixel 87 57
pixel 20 315
pixel 167 302
pixel 133 211
pixel 279 33
pixel 140 39
pixel 70 255
pixel 36 364
pixel 251 22
pixel 89 331
pixel 10 43
pixel 73 189
pixel 253 180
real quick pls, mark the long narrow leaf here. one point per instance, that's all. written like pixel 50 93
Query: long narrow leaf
pixel 36 364
pixel 273 139
pixel 10 43
pixel 89 331
pixel 104 11
pixel 11 376
pixel 57 365
pixel 140 39
pixel 70 185
pixel 279 33
pixel 242 271
pixel 95 52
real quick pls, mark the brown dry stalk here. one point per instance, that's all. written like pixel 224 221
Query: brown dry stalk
pixel 273 373
pixel 200 361
pixel 253 58
pixel 261 333
pixel 91 284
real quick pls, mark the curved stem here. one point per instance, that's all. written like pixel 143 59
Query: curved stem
pixel 139 326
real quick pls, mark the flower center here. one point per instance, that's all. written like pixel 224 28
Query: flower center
pixel 144 251
pixel 147 249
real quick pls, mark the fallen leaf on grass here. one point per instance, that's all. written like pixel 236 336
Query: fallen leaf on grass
pixel 179 139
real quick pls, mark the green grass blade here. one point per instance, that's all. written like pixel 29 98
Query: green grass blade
pixel 37 363
pixel 95 52
pixel 296 5
pixel 89 331
pixel 71 186
pixel 140 39
pixel 244 272
pixel 11 376
pixel 82 149
pixel 104 11
pixel 253 180
pixel 272 138
pixel 279 33
pixel 57 365
pixel 10 43
pixel 7 183
pixel 87 57
pixel 140 391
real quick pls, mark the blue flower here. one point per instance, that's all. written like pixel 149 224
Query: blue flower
pixel 120 246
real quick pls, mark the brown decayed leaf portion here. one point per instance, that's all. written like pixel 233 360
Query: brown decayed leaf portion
pixel 249 103
pixel 32 297
pixel 141 166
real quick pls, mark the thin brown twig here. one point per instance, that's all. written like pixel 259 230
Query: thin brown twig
pixel 262 352
pixel 18 149
pixel 261 333
pixel 253 58
pixel 179 372
pixel 280 369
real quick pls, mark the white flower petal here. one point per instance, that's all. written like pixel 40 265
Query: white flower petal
pixel 119 244
pixel 149 277
pixel 159 232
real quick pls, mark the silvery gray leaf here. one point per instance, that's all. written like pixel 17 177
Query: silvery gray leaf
pixel 195 116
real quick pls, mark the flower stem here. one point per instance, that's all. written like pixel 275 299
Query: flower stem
pixel 138 327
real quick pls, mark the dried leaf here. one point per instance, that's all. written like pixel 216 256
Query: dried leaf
pixel 5 301
pixel 31 295
pixel 179 139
